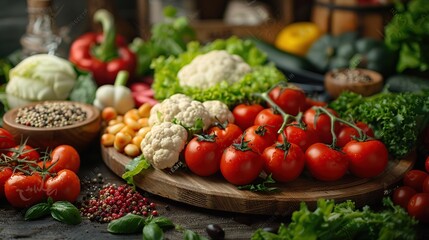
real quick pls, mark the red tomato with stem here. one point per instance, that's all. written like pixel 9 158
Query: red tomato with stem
pixel 325 163
pixel 414 178
pixel 284 161
pixel 65 186
pixel 366 159
pixel 23 191
pixel 63 157
pixel 348 133
pixel 6 139
pixel 290 99
pixel 245 114
pixel 309 103
pixel 418 207
pixel 5 174
pixel 304 137
pixel 259 137
pixel 401 196
pixel 24 152
pixel 226 133
pixel 202 155
pixel 269 118
pixel 240 165
pixel 425 185
pixel 321 124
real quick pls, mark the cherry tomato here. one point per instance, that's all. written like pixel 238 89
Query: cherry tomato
pixel 24 191
pixel 24 152
pixel 5 174
pixel 290 99
pixel 366 159
pixel 226 134
pixel 65 186
pixel 284 162
pixel 402 195
pixel 303 137
pixel 322 125
pixel 414 178
pixel 347 133
pixel 418 207
pixel 427 164
pixel 269 118
pixel 240 165
pixel 63 157
pixel 245 114
pixel 309 103
pixel 325 163
pixel 425 185
pixel 6 139
pixel 202 155
pixel 259 137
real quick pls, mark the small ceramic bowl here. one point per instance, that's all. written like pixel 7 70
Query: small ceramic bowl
pixel 362 81
pixel 79 134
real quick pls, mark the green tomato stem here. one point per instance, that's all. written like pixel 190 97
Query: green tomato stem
pixel 107 49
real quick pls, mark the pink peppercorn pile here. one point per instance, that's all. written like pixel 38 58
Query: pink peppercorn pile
pixel 113 202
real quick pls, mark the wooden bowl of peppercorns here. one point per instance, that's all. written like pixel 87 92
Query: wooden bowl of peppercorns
pixel 45 125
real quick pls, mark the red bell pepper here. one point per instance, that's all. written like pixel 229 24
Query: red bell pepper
pixel 103 54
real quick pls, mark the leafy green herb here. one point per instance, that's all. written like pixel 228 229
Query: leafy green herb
pixel 191 235
pixel 162 222
pixel 262 77
pixel 153 231
pixel 260 187
pixel 130 223
pixel 37 211
pixel 84 89
pixel 134 167
pixel 343 221
pixel 65 212
pixel 397 118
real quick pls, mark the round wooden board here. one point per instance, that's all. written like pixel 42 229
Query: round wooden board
pixel 217 194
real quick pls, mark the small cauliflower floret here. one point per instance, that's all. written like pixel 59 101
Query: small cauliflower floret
pixel 163 143
pixel 219 111
pixel 214 67
pixel 182 109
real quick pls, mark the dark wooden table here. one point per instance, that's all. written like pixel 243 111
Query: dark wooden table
pixel 236 226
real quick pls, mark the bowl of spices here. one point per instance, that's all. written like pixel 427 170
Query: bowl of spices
pixel 362 81
pixel 48 124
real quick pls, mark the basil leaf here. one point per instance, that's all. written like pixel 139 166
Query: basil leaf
pixel 153 232
pixel 130 223
pixel 134 167
pixel 162 222
pixel 37 211
pixel 190 235
pixel 66 212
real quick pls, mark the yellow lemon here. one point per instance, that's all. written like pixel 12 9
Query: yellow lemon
pixel 297 38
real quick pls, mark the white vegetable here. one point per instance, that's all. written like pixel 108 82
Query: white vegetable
pixel 182 109
pixel 38 78
pixel 163 143
pixel 219 111
pixel 212 68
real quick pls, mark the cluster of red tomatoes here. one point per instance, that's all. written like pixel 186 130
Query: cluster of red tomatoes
pixel 28 177
pixel 414 194
pixel 242 150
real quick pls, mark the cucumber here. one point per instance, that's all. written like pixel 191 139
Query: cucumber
pixel 406 83
pixel 283 60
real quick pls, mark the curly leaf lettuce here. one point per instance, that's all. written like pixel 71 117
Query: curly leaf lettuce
pixel 260 79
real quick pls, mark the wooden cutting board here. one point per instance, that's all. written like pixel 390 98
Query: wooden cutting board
pixel 217 194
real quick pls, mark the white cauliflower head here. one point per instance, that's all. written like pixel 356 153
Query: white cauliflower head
pixel 209 69
pixel 181 108
pixel 163 143
pixel 219 111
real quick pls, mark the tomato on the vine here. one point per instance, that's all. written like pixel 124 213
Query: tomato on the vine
pixel 245 114
pixel 240 165
pixel 65 186
pixel 325 163
pixel 366 159
pixel 5 174
pixel 414 178
pixel 226 133
pixel 202 155
pixel 23 191
pixel 259 137
pixel 347 133
pixel 24 152
pixel 269 118
pixel 63 157
pixel 290 99
pixel 321 124
pixel 418 207
pixel 401 196
pixel 304 137
pixel 284 161
pixel 6 139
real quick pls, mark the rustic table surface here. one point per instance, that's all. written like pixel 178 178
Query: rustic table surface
pixel 236 226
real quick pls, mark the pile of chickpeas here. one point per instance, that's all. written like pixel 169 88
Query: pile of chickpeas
pixel 125 132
